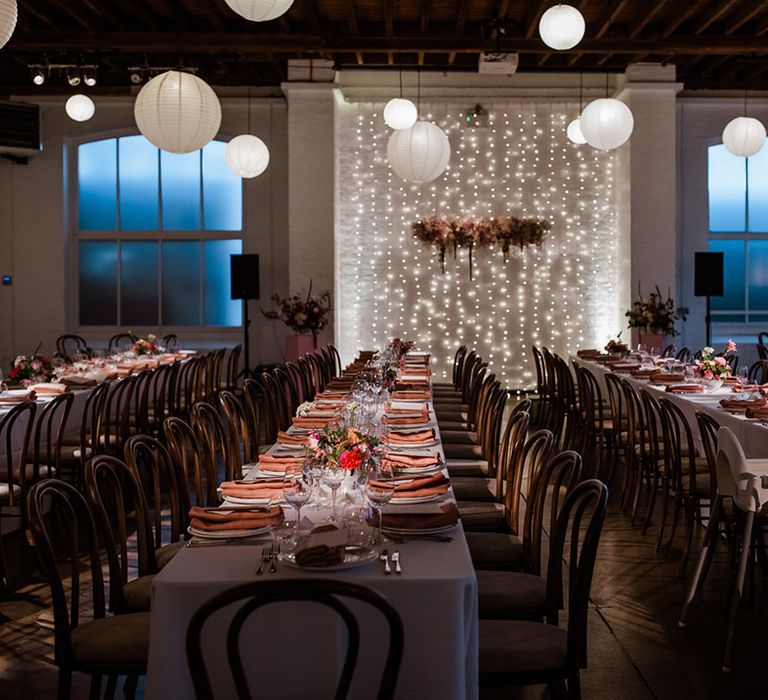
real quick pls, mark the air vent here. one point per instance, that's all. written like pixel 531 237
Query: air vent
pixel 19 128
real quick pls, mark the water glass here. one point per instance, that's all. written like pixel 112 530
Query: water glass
pixel 297 489
pixel 380 490
pixel 742 375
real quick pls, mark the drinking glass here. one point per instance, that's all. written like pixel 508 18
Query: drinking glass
pixel 58 364
pixel 332 477
pixel 642 349
pixel 742 375
pixel 380 490
pixel 297 488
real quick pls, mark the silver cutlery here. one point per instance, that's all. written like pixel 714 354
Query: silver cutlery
pixel 266 555
pixel 396 560
pixel 383 557
pixel 273 554
pixel 223 542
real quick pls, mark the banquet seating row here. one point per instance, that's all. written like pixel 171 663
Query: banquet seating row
pixel 70 344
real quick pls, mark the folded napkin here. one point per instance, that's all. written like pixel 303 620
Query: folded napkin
pixel 625 366
pixel 272 489
pixel 420 419
pixel 17 397
pixel 288 439
pixel 365 355
pixel 404 395
pixel 760 413
pixel 325 413
pixel 395 407
pixel 411 385
pixel 77 380
pixel 312 423
pixel 446 515
pixel 588 352
pixel 743 403
pixel 685 388
pixel 325 547
pixel 328 395
pixel 48 388
pixel 751 388
pixel 223 519
pixel 665 377
pixel 276 463
pixel 399 460
pixel 637 372
pixel 412 438
pixel 422 487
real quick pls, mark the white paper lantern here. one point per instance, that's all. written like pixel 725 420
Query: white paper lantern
pixel 260 10
pixel 8 15
pixel 744 136
pixel 574 132
pixel 561 27
pixel 607 123
pixel 80 108
pixel 400 113
pixel 419 154
pixel 247 156
pixel 177 112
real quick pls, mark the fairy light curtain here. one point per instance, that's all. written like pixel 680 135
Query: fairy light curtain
pixel 563 295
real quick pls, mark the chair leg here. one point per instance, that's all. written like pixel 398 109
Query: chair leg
pixel 64 687
pixel 574 686
pixel 690 523
pixel 746 548
pixel 95 691
pixel 678 504
pixel 652 504
pixel 638 489
pixel 129 688
pixel 109 692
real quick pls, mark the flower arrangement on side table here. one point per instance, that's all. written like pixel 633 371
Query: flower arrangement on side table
pixel 712 366
pixel 654 314
pixel 616 346
pixel 302 314
pixel 31 369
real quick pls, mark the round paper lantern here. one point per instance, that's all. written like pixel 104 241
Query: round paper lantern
pixel 744 136
pixel 247 156
pixel 80 108
pixel 8 15
pixel 574 132
pixel 260 10
pixel 400 113
pixel 177 112
pixel 419 154
pixel 561 27
pixel 607 123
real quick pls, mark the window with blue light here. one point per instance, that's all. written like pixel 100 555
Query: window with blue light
pixel 149 226
pixel 738 226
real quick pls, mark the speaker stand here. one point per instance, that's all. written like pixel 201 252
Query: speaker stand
pixel 246 373
pixel 708 322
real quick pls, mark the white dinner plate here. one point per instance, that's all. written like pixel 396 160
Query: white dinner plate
pixel 405 447
pixel 354 557
pixel 419 499
pixel 418 471
pixel 419 531
pixel 246 501
pixel 227 534
pixel 411 428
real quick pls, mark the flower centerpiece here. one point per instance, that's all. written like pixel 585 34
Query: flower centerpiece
pixel 714 367
pixel 302 314
pixel 145 346
pixel 344 448
pixel 616 346
pixel 31 369
pixel 654 317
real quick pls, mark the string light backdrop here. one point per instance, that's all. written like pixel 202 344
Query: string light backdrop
pixel 563 296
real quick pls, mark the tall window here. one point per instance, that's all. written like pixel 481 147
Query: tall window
pixel 738 227
pixel 155 232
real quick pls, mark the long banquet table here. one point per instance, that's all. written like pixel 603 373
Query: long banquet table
pixel 752 434
pixel 296 650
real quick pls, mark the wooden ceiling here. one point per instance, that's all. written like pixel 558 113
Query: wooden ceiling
pixel 716 44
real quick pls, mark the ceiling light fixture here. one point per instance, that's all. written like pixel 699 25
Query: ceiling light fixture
pixel 8 16
pixel 80 108
pixel 73 76
pixel 744 136
pixel 573 130
pixel 247 155
pixel 89 75
pixel 260 10
pixel 561 27
pixel 38 74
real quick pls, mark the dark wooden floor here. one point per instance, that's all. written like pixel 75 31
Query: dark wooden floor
pixel 636 650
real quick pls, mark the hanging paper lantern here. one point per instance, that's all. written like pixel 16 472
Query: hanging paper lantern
pixel 8 15
pixel 744 136
pixel 607 123
pixel 574 132
pixel 400 113
pixel 561 27
pixel 247 156
pixel 260 10
pixel 177 112
pixel 80 108
pixel 419 154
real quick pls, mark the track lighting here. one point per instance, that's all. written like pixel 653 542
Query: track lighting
pixel 89 75
pixel 38 75
pixel 73 76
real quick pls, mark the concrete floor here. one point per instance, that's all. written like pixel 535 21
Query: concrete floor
pixel 636 650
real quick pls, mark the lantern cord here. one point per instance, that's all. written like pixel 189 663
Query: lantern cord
pixel 249 109
pixel 606 85
pixel 418 91
pixel 745 102
pixel 581 92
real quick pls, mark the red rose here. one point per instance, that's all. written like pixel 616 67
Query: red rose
pixel 350 460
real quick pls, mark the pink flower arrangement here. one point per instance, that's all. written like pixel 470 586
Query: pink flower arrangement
pixel 302 314
pixel 712 366
pixel 342 448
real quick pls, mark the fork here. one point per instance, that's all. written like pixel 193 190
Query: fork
pixel 266 554
pixel 273 556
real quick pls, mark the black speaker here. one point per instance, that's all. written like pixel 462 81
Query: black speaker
pixel 245 276
pixel 708 275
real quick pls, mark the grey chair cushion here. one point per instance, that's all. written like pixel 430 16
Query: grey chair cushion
pixel 463 452
pixel 511 646
pixel 467 467
pixel 451 424
pixel 511 595
pixel 71 453
pixel 443 406
pixel 478 515
pixel 167 552
pixel 495 550
pixel 113 641
pixel 138 594
pixel 458 438
pixel 472 488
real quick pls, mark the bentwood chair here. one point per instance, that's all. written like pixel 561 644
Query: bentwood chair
pixel 239 427
pixel 745 481
pixel 330 594
pixel 517 652
pixel 186 449
pixel 120 342
pixel 758 372
pixel 50 428
pixel 170 342
pixel 218 446
pixel 69 344
pixel 166 492
pixel 65 536
pixel 253 404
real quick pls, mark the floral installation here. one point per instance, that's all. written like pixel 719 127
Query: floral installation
pixel 304 409
pixel 386 364
pixel 302 314
pixel 342 448
pixel 655 314
pixel 713 366
pixel 504 232
pixel 616 346
pixel 145 346
pixel 31 369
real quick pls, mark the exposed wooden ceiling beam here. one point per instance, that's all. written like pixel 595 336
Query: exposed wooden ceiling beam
pixel 206 9
pixel 426 9
pixel 681 16
pixel 42 16
pixel 644 16
pixel 535 11
pixel 389 26
pixel 310 8
pixel 746 15
pixel 461 21
pixel 608 17
pixel 721 10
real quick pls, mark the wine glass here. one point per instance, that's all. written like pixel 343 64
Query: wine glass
pixel 380 490
pixel 742 375
pixel 297 488
pixel 58 364
pixel 642 349
pixel 332 477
